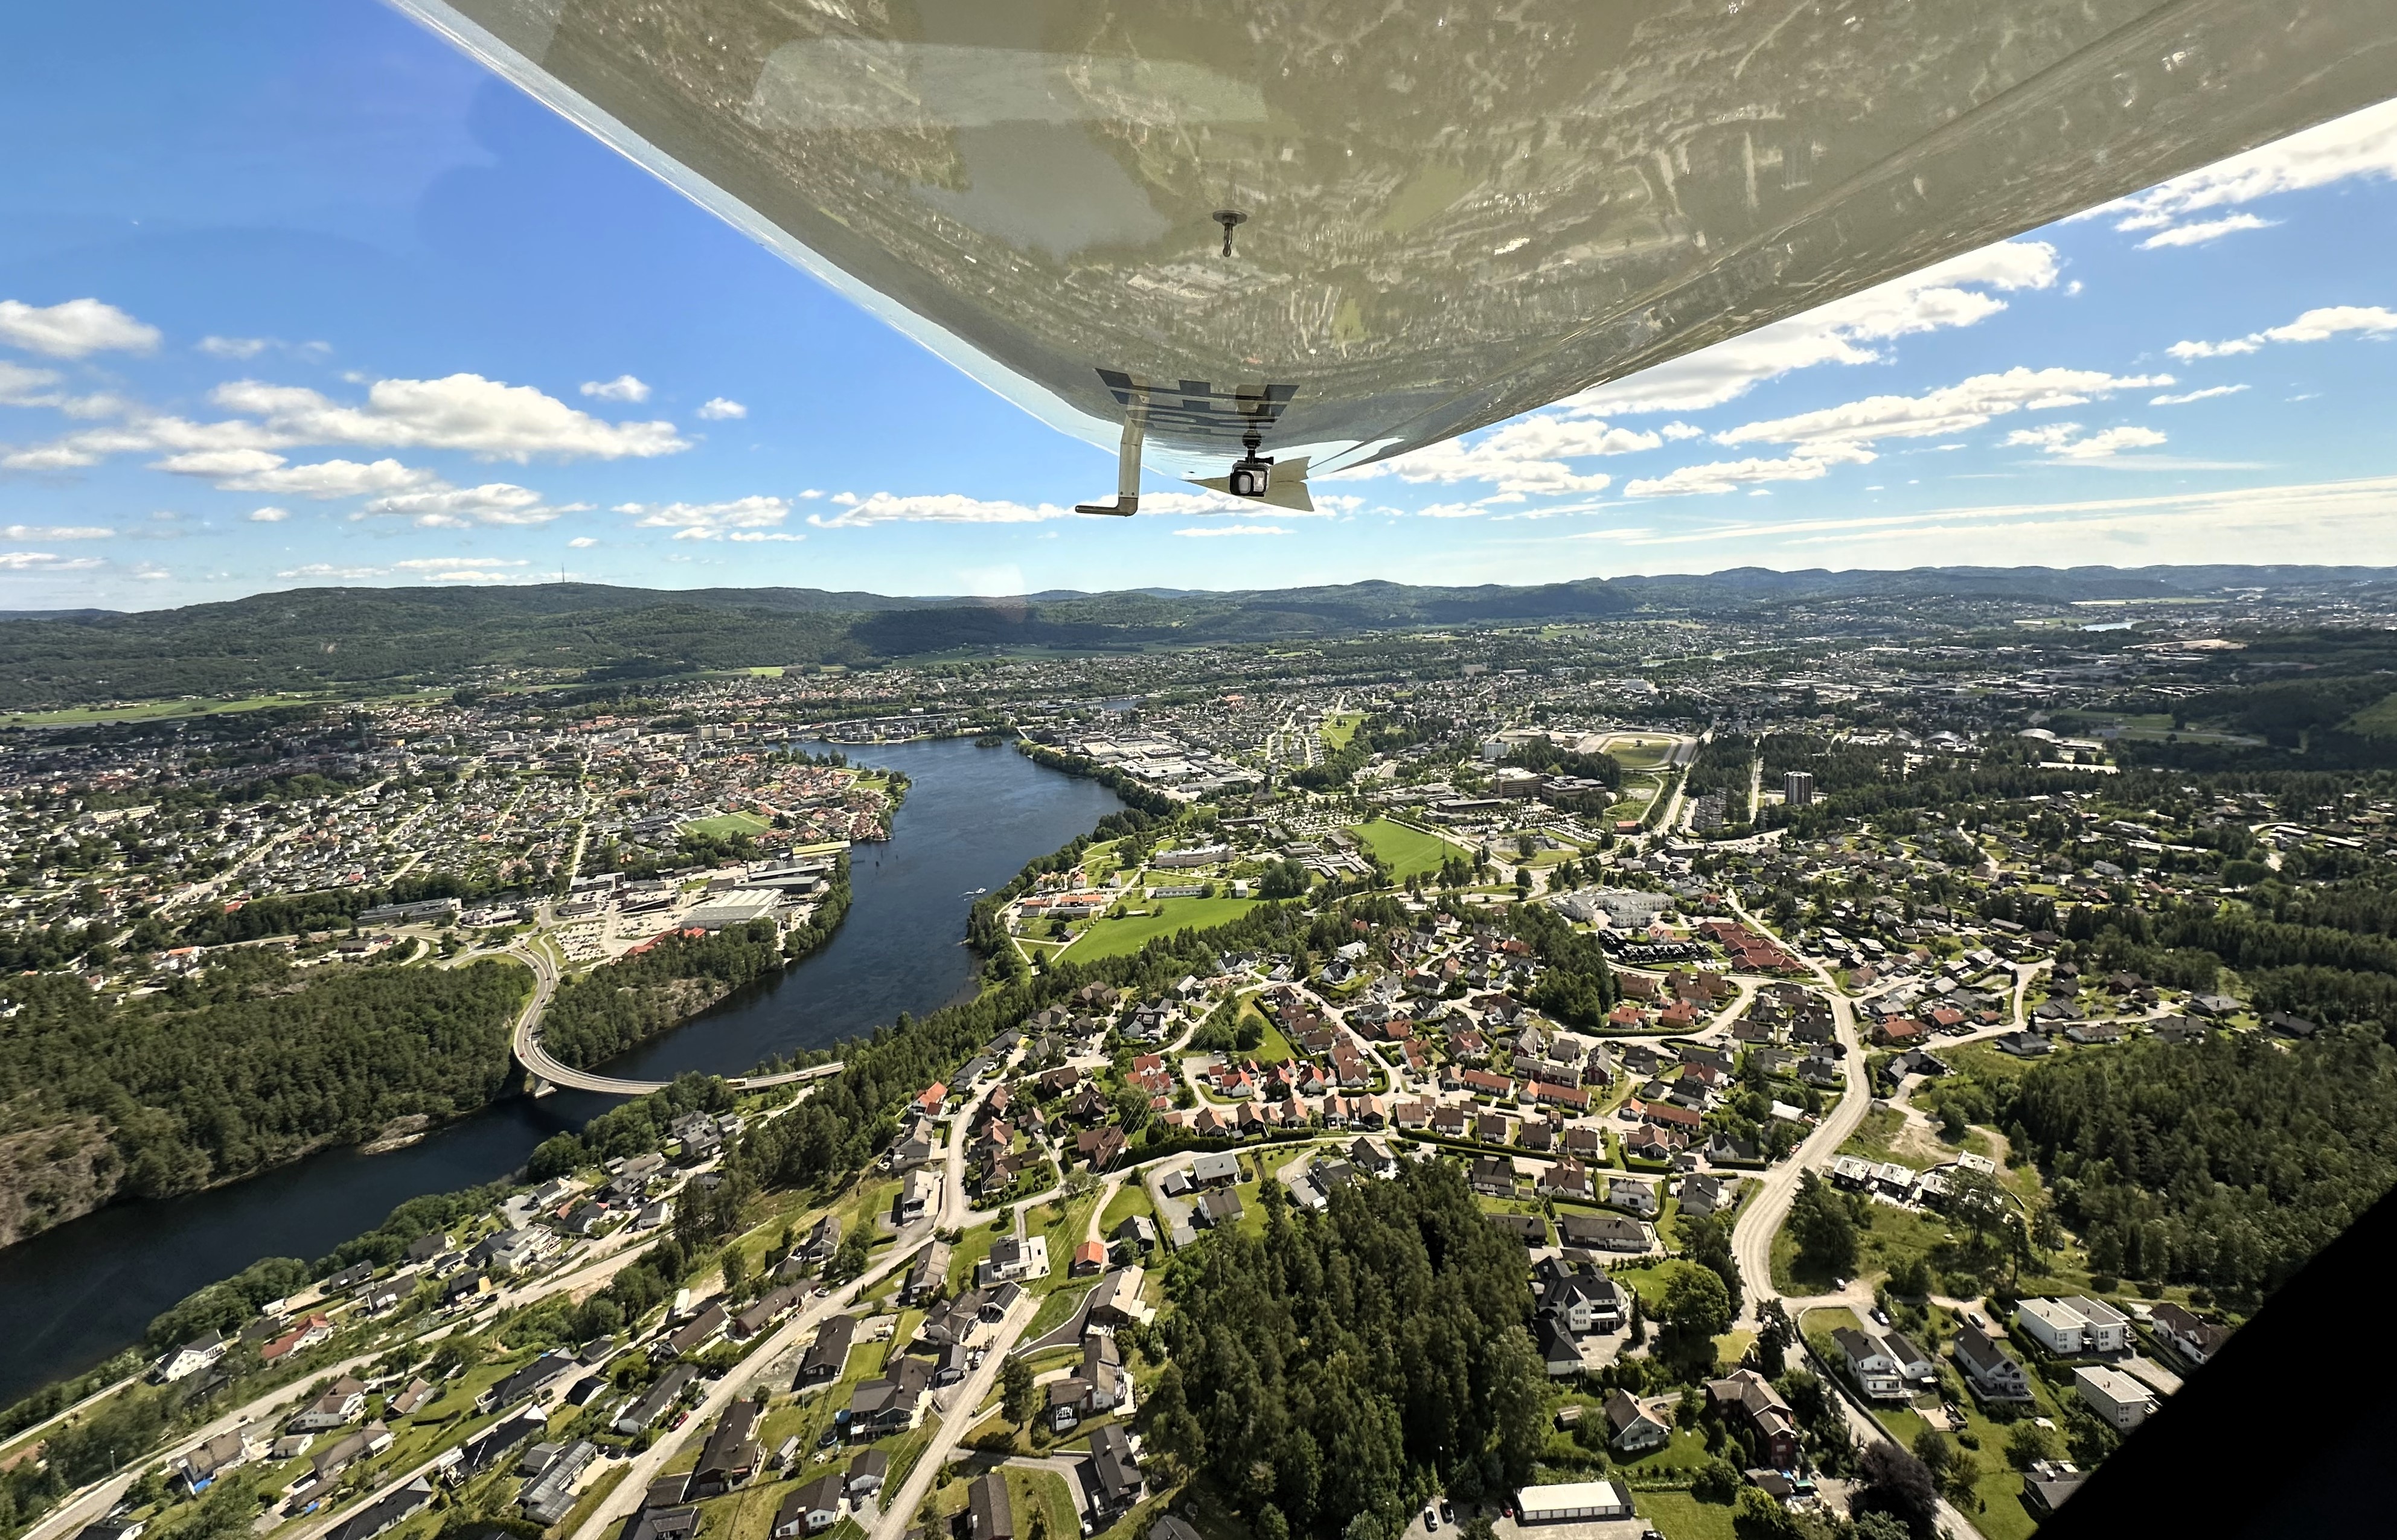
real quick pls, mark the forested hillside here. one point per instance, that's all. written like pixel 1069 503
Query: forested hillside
pixel 2226 1163
pixel 246 1067
pixel 327 637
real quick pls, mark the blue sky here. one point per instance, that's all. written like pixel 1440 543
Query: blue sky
pixel 294 294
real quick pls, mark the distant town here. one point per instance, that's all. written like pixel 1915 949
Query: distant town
pixel 1755 1072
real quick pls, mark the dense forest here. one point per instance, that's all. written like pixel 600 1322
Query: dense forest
pixel 1351 1362
pixel 620 1005
pixel 249 1065
pixel 2227 1162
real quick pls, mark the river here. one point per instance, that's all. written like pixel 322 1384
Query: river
pixel 972 817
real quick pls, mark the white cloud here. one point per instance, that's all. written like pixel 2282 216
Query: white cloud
pixel 1678 430
pixel 56 531
pixel 2315 326
pixel 2062 440
pixel 709 521
pixel 1951 409
pixel 257 471
pixel 717 408
pixel 581 543
pixel 2346 522
pixel 1201 531
pixel 73 329
pixel 1724 475
pixel 44 561
pixel 234 347
pixel 931 508
pixel 2360 144
pixel 1452 510
pixel 20 386
pixel 447 507
pixel 336 574
pixel 621 388
pixel 1527 456
pixel 2183 399
pixel 49 457
pixel 2204 230
pixel 1949 294
pixel 740 537
pixel 444 564
pixel 487 417
pixel 269 516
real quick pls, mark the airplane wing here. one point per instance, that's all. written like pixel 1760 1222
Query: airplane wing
pixel 1445 215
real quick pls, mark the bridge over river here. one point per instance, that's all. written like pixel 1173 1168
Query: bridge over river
pixel 547 1074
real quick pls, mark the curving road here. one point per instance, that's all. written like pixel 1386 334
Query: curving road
pixel 548 1073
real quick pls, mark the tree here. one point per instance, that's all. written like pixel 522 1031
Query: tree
pixel 1017 1397
pixel 2028 1443
pixel 1824 1232
pixel 1893 1482
pixel 736 1268
pixel 1716 1481
pixel 1696 1310
pixel 1773 1336
pixel 1931 1448
pixel 1705 1240
pixel 1757 1517
pixel 1879 1526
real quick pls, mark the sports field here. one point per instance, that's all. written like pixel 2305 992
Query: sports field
pixel 1111 938
pixel 1406 852
pixel 727 825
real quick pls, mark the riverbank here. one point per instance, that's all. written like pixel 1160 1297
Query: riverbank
pixel 79 1290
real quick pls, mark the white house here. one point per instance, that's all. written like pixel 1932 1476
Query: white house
pixel 2071 1327
pixel 1565 1502
pixel 1870 1364
pixel 2122 1400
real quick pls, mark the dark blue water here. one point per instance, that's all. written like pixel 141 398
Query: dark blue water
pixel 972 818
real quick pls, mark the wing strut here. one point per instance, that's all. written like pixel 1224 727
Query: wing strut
pixel 1127 500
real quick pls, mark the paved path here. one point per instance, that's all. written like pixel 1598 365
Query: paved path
pixel 548 1072
pixel 957 1421
pixel 1752 1238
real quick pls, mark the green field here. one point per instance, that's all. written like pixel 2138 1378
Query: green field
pixel 1641 753
pixel 1339 727
pixel 1406 852
pixel 728 826
pixel 1111 938
pixel 150 711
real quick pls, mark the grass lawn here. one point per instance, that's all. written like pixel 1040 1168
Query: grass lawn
pixel 1650 1282
pixel 728 826
pixel 1043 1492
pixel 1130 1199
pixel 1339 727
pixel 1871 1141
pixel 1686 1451
pixel 1061 1303
pixel 1114 938
pixel 1406 852
pixel 1679 1516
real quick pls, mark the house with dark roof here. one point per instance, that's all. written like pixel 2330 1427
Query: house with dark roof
pixel 811 1509
pixel 1113 1477
pixel 730 1454
pixel 1993 1372
pixel 828 1356
pixel 989 1516
pixel 1748 1400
